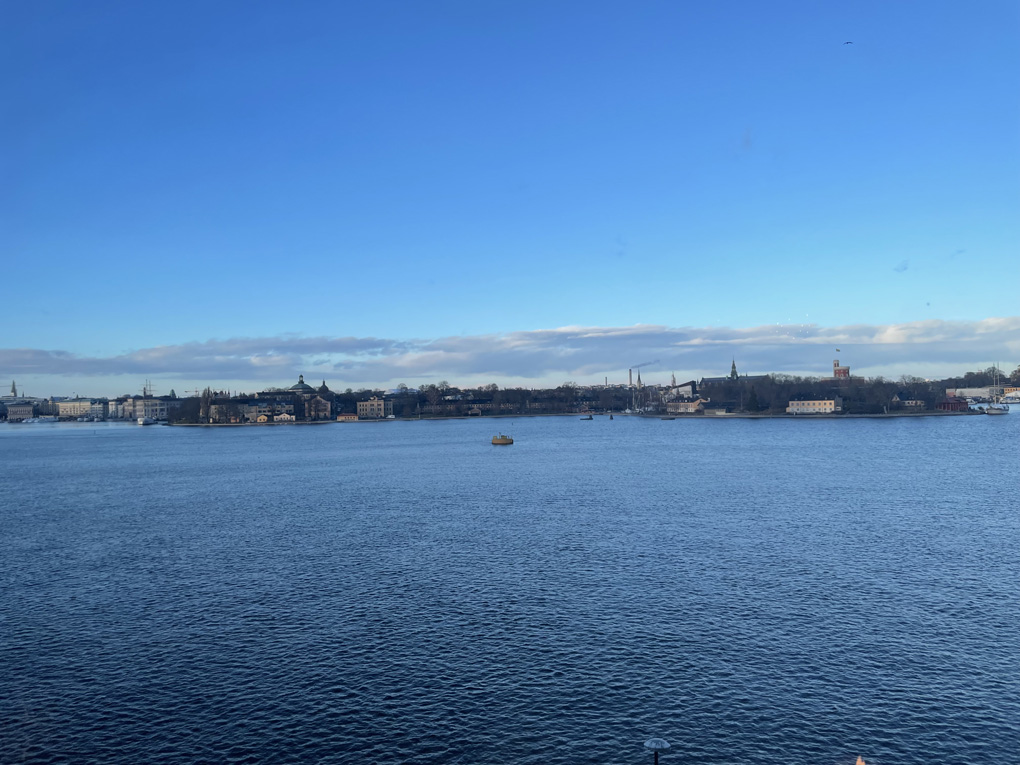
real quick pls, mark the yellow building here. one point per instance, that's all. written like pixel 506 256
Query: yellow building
pixel 374 408
pixel 75 407
pixel 685 407
pixel 816 406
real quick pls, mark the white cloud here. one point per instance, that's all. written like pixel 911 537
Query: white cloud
pixel 545 356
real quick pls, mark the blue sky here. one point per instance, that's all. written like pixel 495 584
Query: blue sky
pixel 340 188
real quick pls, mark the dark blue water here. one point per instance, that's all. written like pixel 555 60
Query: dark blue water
pixel 753 591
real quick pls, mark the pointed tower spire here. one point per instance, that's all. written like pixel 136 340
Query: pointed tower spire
pixel 733 370
pixel 14 389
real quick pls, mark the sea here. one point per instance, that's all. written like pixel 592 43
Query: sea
pixel 752 591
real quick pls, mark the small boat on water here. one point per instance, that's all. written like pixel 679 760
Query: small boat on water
pixel 589 417
pixel 667 418
pixel 146 421
pixel 502 440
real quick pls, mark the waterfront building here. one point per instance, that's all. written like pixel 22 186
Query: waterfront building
pixel 905 399
pixel 318 408
pixel 254 409
pixel 225 411
pixel 141 406
pixel 685 406
pixel 953 404
pixel 309 403
pixel 74 407
pixel 717 409
pixel 346 417
pixel 978 394
pixel 374 408
pixel 816 406
pixel 46 407
pixel 20 411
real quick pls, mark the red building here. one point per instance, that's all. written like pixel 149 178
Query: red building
pixel 952 404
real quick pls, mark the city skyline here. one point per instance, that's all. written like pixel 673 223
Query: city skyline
pixel 588 355
pixel 520 194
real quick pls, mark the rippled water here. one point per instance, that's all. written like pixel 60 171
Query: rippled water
pixel 752 591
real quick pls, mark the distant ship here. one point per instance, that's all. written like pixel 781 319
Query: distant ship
pixel 146 421
pixel 502 440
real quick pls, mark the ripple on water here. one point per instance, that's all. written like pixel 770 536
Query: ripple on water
pixel 752 591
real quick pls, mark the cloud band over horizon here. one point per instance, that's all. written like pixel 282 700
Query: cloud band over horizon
pixel 540 356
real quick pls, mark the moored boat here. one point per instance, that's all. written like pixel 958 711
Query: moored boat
pixel 997 406
pixel 502 440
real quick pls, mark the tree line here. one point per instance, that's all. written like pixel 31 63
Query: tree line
pixel 769 394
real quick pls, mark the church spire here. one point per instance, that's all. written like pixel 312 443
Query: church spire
pixel 14 389
pixel 733 370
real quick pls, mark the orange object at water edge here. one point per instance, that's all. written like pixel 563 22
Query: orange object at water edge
pixel 860 761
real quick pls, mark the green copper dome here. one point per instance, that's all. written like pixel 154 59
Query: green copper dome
pixel 302 386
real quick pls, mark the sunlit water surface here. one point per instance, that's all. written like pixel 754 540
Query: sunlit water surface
pixel 753 591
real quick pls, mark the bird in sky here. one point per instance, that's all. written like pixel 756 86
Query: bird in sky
pixel 849 42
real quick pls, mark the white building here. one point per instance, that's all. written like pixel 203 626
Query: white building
pixel 985 394
pixel 137 406
pixel 816 406
pixel 74 407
